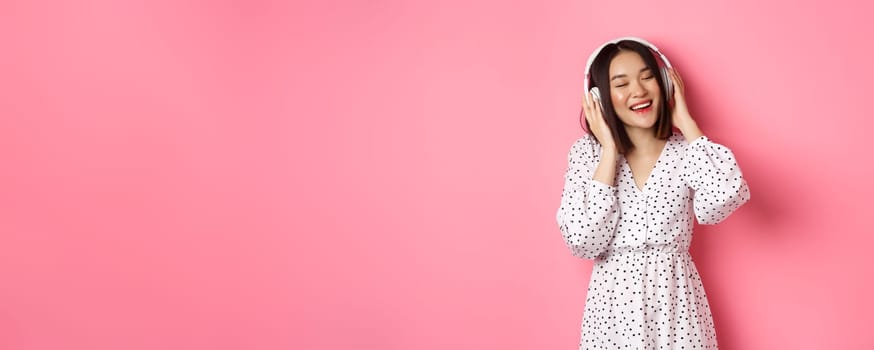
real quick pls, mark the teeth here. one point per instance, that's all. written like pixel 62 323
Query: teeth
pixel 641 106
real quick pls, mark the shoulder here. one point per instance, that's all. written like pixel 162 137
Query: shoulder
pixel 584 149
pixel 586 143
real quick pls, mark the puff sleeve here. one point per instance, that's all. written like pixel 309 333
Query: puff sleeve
pixel 589 209
pixel 711 170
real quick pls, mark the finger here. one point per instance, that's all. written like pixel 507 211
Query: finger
pixel 677 81
pixel 592 113
pixel 597 109
pixel 678 78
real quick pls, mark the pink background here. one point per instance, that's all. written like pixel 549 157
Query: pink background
pixel 385 174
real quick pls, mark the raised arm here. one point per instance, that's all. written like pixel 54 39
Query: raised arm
pixel 712 171
pixel 589 209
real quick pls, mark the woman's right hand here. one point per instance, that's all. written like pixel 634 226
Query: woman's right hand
pixel 597 125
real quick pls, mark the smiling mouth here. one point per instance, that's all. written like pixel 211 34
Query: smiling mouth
pixel 642 107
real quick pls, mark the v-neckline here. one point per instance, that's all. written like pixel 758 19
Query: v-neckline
pixel 655 167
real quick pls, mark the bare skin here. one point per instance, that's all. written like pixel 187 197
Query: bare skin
pixel 633 85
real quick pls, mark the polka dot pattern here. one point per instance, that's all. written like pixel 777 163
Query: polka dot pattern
pixel 645 292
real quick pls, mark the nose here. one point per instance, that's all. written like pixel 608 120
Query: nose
pixel 637 89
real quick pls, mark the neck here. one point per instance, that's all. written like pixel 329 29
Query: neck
pixel 644 141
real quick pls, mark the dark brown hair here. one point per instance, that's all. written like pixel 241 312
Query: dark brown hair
pixel 600 77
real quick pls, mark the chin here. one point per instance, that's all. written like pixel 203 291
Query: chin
pixel 639 122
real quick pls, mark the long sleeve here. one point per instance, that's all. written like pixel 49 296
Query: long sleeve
pixel 589 209
pixel 711 170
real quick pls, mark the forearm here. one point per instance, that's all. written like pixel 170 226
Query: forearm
pixel 711 170
pixel 605 172
pixel 690 129
pixel 587 218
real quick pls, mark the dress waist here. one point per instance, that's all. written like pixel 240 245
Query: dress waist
pixel 662 249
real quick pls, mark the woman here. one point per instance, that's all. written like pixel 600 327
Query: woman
pixel 632 188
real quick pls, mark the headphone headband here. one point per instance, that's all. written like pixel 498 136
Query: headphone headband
pixel 667 85
pixel 615 41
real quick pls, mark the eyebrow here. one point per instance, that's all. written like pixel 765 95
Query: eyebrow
pixel 617 76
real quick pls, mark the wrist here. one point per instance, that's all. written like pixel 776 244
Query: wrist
pixel 609 152
pixel 690 130
pixel 686 124
pixel 684 121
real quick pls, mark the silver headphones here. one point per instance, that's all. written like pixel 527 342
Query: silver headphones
pixel 668 86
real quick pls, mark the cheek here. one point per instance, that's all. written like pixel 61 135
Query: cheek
pixel 653 86
pixel 617 97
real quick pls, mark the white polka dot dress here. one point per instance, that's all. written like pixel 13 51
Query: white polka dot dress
pixel 645 292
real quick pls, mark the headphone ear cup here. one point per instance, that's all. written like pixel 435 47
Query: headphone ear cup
pixel 668 84
pixel 597 94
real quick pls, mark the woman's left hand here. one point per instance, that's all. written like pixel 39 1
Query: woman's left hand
pixel 680 115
